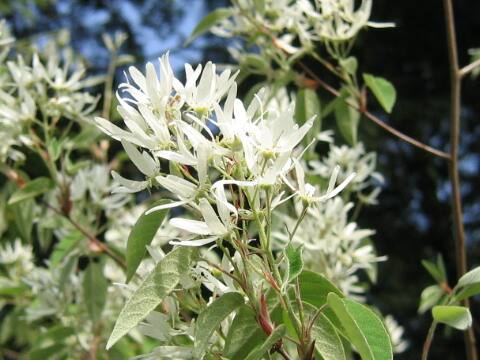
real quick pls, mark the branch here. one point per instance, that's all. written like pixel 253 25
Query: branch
pixel 375 119
pixel 469 68
pixel 336 93
pixel 455 103
pixel 104 248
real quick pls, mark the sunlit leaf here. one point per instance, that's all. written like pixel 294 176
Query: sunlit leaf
pixel 156 286
pixel 363 328
pixel 383 90
pixel 458 317
pixel 94 290
pixel 142 235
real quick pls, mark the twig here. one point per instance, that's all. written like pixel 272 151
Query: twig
pixel 455 103
pixel 428 341
pixel 336 93
pixel 90 237
pixel 469 68
pixel 375 119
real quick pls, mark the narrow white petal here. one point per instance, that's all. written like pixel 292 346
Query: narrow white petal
pixel 166 206
pixel 192 226
pixel 198 242
pixel 211 218
pixel 142 161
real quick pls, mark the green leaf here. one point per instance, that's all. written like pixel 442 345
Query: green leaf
pixel 350 65
pixel 65 246
pixel 294 262
pixel 23 215
pixel 274 337
pixel 156 286
pixel 383 90
pixel 327 341
pixel 32 189
pixel 468 285
pixel 431 296
pixel 208 21
pixel 95 287
pixel 471 277
pixel 314 288
pixel 437 271
pixel 210 318
pixel 363 328
pixel 307 105
pixel 467 291
pixel 142 235
pixel 458 317
pixel 347 121
pixel 244 334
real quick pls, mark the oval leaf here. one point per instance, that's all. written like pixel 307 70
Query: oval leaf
pixel 363 328
pixel 471 277
pixel 210 318
pixel 383 90
pixel 94 290
pixel 156 286
pixel 458 317
pixel 347 121
pixel 307 106
pixel 294 262
pixel 327 341
pixel 142 235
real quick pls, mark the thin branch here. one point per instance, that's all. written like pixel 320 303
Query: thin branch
pixel 336 93
pixel 428 341
pixel 455 103
pixel 375 119
pixel 469 68
pixel 104 248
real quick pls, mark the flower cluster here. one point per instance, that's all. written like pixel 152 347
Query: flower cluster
pixel 226 161
pixel 327 21
pixel 33 91
pixel 334 246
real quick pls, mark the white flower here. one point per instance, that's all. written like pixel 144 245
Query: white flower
pixel 334 246
pixel 306 191
pixel 215 226
pixel 210 89
pixel 351 160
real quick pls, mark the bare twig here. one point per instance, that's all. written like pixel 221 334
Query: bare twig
pixel 336 93
pixel 373 118
pixel 455 101
pixel 104 248
pixel 428 341
pixel 469 68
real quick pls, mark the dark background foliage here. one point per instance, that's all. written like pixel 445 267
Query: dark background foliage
pixel 413 219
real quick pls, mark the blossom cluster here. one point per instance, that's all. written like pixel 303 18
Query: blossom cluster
pixel 38 90
pixel 220 152
pixel 332 21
